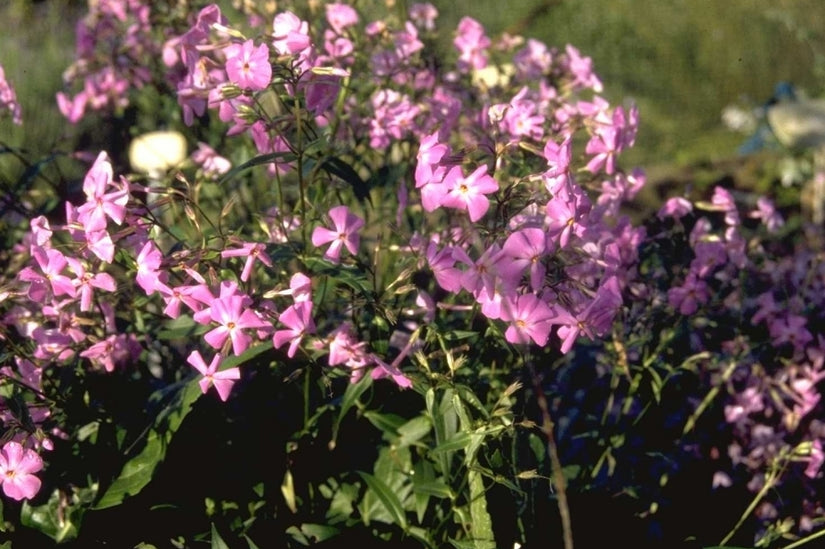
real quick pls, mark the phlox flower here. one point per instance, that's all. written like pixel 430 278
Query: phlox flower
pixel 582 70
pixel 442 263
pixel 468 193
pixel 51 263
pixel 558 158
pixel 345 233
pixel 8 99
pixel 175 296
pixel 112 351
pixel 345 349
pixel 529 318
pixel 687 297
pixel 291 36
pixel 563 218
pixel 525 249
pixel 233 317
pixel 222 380
pixel 533 61
pixel 340 16
pixel 594 319
pixel 210 161
pixel 424 15
pixel 300 288
pixel 382 370
pixel 251 251
pixel 41 230
pixel 430 153
pixel 472 45
pixel 248 66
pixel 298 320
pixel 791 329
pixel 482 274
pixel 17 468
pixel 100 204
pixel 766 211
pixel 86 282
pixel 148 267
pixel 605 145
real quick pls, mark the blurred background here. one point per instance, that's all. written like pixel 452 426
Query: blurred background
pixel 681 61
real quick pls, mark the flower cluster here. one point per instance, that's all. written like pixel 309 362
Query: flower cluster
pixel 8 99
pixel 406 202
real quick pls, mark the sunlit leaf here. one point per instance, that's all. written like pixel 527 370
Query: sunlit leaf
pixel 387 497
pixel 217 541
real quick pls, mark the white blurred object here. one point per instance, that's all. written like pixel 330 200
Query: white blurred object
pixel 155 153
pixel 798 124
pixel 739 120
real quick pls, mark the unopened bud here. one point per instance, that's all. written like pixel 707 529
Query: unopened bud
pixel 248 114
pixel 230 91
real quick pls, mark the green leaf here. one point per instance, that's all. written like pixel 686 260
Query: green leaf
pixel 339 168
pixel 459 441
pixel 317 533
pixel 138 471
pixel 52 518
pixel 387 497
pixel 481 527
pixel 414 430
pixel 257 161
pixel 217 541
pixel 387 423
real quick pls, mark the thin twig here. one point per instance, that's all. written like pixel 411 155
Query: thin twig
pixel 547 427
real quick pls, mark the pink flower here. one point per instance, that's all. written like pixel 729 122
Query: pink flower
pixel 148 267
pixel 291 34
pixel 51 263
pixel 525 249
pixel 233 318
pixel 675 207
pixel 251 251
pixel 8 99
pixel 212 163
pixel 248 66
pixel 17 468
pixel 298 320
pixel 472 45
pixel 341 16
pixel 468 193
pixel 222 380
pixel 100 204
pixel 86 282
pixel 687 297
pixel 529 319
pixel 345 233
pixel 429 155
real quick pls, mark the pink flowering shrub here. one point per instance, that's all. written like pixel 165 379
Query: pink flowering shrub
pixel 375 240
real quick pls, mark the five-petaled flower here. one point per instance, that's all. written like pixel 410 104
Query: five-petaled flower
pixel 222 380
pixel 17 468
pixel 248 66
pixel 345 233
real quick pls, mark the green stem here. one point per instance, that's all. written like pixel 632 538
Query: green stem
pixel 771 479
pixel 803 541
pixel 547 427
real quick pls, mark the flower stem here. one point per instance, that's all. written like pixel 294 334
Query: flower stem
pixel 547 427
